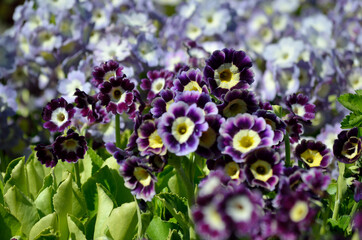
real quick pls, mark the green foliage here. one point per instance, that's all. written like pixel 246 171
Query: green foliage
pixel 352 102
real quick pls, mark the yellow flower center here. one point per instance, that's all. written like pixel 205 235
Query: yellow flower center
pixel 227 75
pixel 182 129
pixel 352 151
pixel 298 109
pixel 213 217
pixel 232 169
pixel 108 75
pixel 155 140
pixel 193 86
pixel 261 170
pixel 70 145
pixel 234 107
pixel 299 211
pixel 60 117
pixel 208 138
pixel 312 158
pixel 142 176
pixel 246 140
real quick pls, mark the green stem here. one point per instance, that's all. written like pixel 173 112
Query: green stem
pixel 287 150
pixel 77 174
pixel 118 131
pixel 353 211
pixel 139 226
pixel 339 193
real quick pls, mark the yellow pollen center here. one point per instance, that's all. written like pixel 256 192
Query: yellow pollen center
pixel 235 107
pixel 70 145
pixel 261 170
pixel 226 75
pixel 232 169
pixel 246 140
pixel 142 176
pixel 192 86
pixel 208 138
pixel 60 117
pixel 182 129
pixel 299 211
pixel 352 151
pixel 312 157
pixel 155 140
pixel 108 75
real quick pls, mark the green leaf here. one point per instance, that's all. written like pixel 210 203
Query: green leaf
pixel 352 102
pixel 85 168
pixel 61 171
pixel 48 234
pixel 49 222
pixel 359 92
pixel 122 223
pixel 78 202
pixel 105 207
pixel 159 229
pixel 174 235
pixel 176 186
pixel 10 168
pixel 344 221
pixel 18 178
pixel 35 173
pixel 332 188
pixel 44 201
pixel 76 228
pixel 352 120
pixel 96 159
pixel 9 225
pixel 63 202
pixel 22 208
pixel 112 163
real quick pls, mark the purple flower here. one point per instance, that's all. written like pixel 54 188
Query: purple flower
pixel 156 81
pixel 315 181
pixel 202 101
pixel 161 104
pixel 46 155
pixel 277 124
pixel 70 148
pixel 191 80
pixel 357 222
pixel 138 177
pixel 149 141
pixel 347 147
pixel 119 154
pixel 181 127
pixel 299 107
pixel 294 129
pixel 357 190
pixel 57 115
pixel 242 134
pixel 228 69
pixel 232 169
pixel 118 95
pixel 208 140
pixel 263 168
pixel 238 101
pixel 313 154
pixel 105 71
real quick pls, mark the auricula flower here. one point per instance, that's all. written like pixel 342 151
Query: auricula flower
pixel 299 107
pixel 156 81
pixel 46 155
pixel 242 134
pixel 357 223
pixel 228 69
pixel 71 147
pixel 138 177
pixel 181 127
pixel 347 147
pixel 57 115
pixel 238 101
pixel 191 80
pixel 277 124
pixel 263 168
pixel 313 154
pixel 149 141
pixel 161 104
pixel 105 71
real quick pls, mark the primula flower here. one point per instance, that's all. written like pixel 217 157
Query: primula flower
pixel 208 140
pixel 202 101
pixel 295 129
pixel 299 107
pixel 357 223
pixel 46 155
pixel 347 147
pixel 181 127
pixel 156 81
pixel 138 177
pixel 161 104
pixel 75 80
pixel 238 101
pixel 242 134
pixel 191 80
pixel 149 141
pixel 70 148
pixel 105 71
pixel 277 124
pixel 57 115
pixel 315 181
pixel 228 69
pixel 313 154
pixel 232 169
pixel 263 168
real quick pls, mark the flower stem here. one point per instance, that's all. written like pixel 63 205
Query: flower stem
pixel 287 150
pixel 77 175
pixel 139 226
pixel 118 131
pixel 339 193
pixel 353 211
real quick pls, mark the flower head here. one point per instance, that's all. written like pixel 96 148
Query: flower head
pixel 228 69
pixel 277 124
pixel 347 147
pixel 313 154
pixel 238 101
pixel 156 81
pixel 46 155
pixel 57 115
pixel 138 177
pixel 149 141
pixel 181 127
pixel 70 148
pixel 191 80
pixel 105 71
pixel 242 134
pixel 299 107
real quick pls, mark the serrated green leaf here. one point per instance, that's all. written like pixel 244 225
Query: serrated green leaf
pixel 96 160
pixel 48 222
pixel 159 229
pixel 352 120
pixel 18 178
pixel 48 234
pixel 85 167
pixel 35 173
pixel 62 201
pixel 352 102
pixel 176 186
pixel 122 223
pixel 105 207
pixel 22 208
pixel 10 168
pixel 344 221
pixel 76 229
pixel 79 205
pixel 9 225
pixel 112 163
pixel 44 201
pixel 61 171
